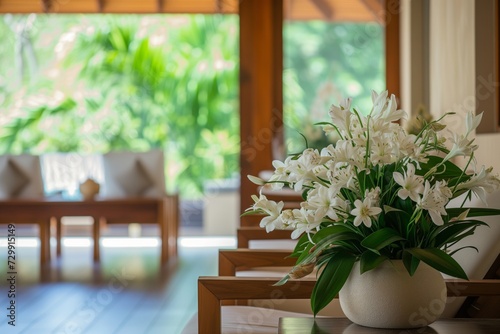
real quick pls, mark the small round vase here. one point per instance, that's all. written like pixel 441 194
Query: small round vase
pixel 388 297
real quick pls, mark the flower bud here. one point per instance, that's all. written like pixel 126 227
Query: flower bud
pixel 302 270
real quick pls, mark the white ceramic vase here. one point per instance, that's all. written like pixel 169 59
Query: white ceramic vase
pixel 388 297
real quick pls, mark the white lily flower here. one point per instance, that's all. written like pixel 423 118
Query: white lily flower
pixel 461 146
pixel 461 216
pixel 309 221
pixel 364 211
pixel 481 183
pixel 273 211
pixel 471 122
pixel 379 103
pixel 322 201
pixel 256 180
pixel 411 185
pixel 434 203
pixel 341 116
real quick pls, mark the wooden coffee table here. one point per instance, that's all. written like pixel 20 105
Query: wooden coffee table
pixel 161 211
pixel 343 326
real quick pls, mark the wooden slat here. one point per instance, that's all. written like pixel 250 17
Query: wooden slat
pixel 214 290
pixel 130 6
pixel 346 11
pixel 21 6
pixel 246 234
pixel 251 220
pixel 486 287
pixel 201 6
pixel 226 288
pixel 237 259
pixel 77 6
pixel 338 10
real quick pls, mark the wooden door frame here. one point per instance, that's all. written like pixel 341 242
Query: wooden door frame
pixel 261 83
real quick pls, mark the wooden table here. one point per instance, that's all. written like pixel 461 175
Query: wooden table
pixel 344 326
pixel 162 211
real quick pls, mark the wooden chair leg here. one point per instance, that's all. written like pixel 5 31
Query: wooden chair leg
pixel 173 223
pixel 96 236
pixel 44 232
pixel 164 231
pixel 58 235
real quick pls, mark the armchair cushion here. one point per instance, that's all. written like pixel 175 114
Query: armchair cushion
pixel 20 176
pixel 12 179
pixel 135 180
pixel 134 174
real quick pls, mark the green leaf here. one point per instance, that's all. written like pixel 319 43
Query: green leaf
pixel 369 260
pixel 331 280
pixel 365 180
pixel 323 244
pixel 439 260
pixel 328 231
pixel 282 281
pixel 449 171
pixel 411 262
pixel 447 233
pixel 381 238
pixel 303 245
pixel 464 247
pixel 253 212
pixel 388 209
pixel 473 212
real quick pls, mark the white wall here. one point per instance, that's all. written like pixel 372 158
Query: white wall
pixel 488 153
pixel 452 82
pixel 448 55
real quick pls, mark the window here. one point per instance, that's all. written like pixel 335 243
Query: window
pixel 325 61
pixel 96 83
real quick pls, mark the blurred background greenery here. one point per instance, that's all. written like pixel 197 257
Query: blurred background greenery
pixel 96 83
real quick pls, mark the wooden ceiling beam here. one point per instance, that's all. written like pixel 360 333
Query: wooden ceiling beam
pixel 46 5
pixel 325 8
pixel 100 5
pixel 376 7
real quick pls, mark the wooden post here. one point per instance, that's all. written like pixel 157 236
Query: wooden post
pixel 261 92
pixel 209 311
pixel 392 62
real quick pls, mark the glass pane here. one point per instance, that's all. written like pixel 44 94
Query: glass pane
pixel 96 83
pixel 326 61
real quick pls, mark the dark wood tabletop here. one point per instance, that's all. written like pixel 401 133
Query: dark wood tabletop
pixel 345 326
pixel 162 211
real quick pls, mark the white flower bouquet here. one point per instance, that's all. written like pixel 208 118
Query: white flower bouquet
pixel 378 194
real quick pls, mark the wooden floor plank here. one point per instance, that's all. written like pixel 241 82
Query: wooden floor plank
pixel 127 292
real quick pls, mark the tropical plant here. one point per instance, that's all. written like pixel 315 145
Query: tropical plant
pixel 140 82
pixel 325 60
pixel 378 194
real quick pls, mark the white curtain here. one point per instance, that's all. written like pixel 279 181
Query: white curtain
pixel 452 60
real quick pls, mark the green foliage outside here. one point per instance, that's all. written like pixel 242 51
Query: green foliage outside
pixel 96 83
pixel 134 83
pixel 325 63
